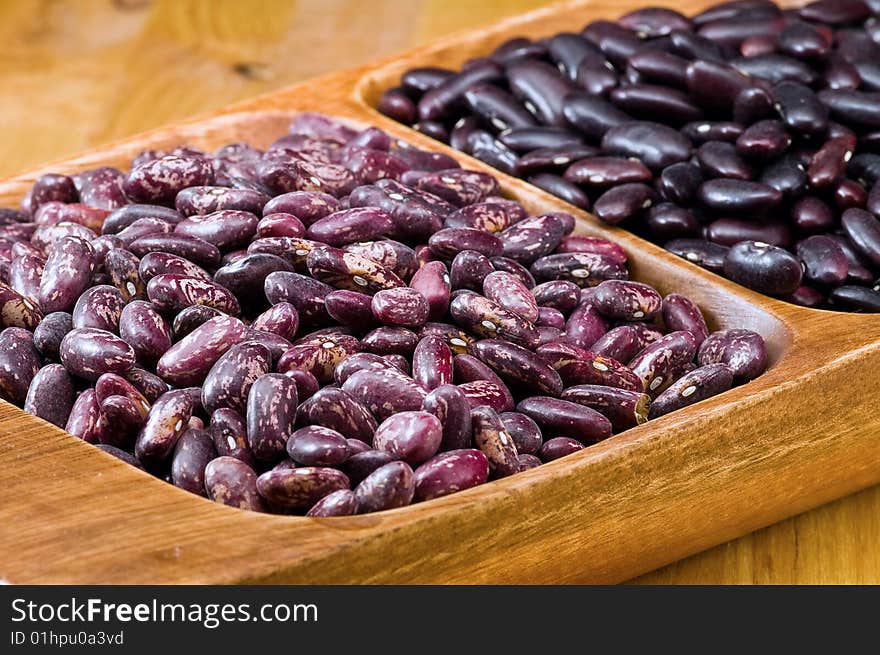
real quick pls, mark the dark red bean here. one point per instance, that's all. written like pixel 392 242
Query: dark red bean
pixel 656 145
pixel 863 230
pixel 730 231
pixel 720 159
pixel 835 12
pixel 763 267
pixel 616 42
pixel 775 68
pixel 497 107
pixel 623 202
pixel 811 214
pixel 856 298
pixel 824 261
pixel 656 102
pixel 441 99
pixel 524 431
pixel 697 251
pixel 450 405
pixel 702 131
pixel 620 343
pixel 565 418
pixel 738 196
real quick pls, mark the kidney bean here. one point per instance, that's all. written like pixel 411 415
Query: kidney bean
pixel 385 392
pixel 558 447
pixel 524 432
pixel 89 352
pixel 743 350
pixel 319 357
pixel 144 227
pixel 624 408
pixel 449 472
pixel 541 88
pixel 396 104
pixel 387 487
pixel 856 298
pixel 623 202
pixel 439 101
pixel 731 231
pixel 232 482
pixel 582 268
pixel 387 340
pixel 25 272
pixel 571 419
pixel 148 384
pixel 578 366
pixel 703 253
pixel 649 100
pixel 230 378
pixel 863 231
pixel 806 296
pixel 545 160
pixel 491 437
pixel 824 261
pixel 50 331
pixel 851 106
pixel 314 445
pixel 835 12
pixel 350 308
pixel 192 454
pixel 800 108
pixel 585 326
pixel 497 107
pixel 122 267
pixel 280 225
pixel 527 139
pixel 194 249
pixel 720 159
pixel 126 215
pixel 552 318
pixel 692 387
pixel 468 270
pixel 680 313
pixel 615 42
pixel 393 255
pixel 518 366
pixel 172 293
pixel 190 318
pixel 83 419
pixel 300 487
pixel 166 422
pixel 17 310
pixel 342 502
pixel 488 319
pixel 66 274
pixel 420 80
pixel 763 267
pixel 201 200
pixel 654 144
pixel 281 319
pixel 655 363
pixel 679 182
pixel 400 307
pixel 226 229
pixel 738 196
pixel 50 395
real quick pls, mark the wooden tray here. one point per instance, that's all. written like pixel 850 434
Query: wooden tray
pixel 802 434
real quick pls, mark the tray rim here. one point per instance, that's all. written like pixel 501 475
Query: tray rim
pixel 338 87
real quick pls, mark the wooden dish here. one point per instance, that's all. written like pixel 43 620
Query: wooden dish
pixel 801 435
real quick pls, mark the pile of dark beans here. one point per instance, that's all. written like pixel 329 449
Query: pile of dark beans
pixel 745 139
pixel 340 324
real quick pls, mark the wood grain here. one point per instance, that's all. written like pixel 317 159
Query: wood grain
pixel 90 72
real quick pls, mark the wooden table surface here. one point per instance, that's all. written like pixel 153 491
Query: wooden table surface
pixel 78 73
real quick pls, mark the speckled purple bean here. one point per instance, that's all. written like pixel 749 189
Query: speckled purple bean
pixel 17 310
pixel 194 450
pixel 387 487
pixel 228 382
pixel 585 326
pixel 385 392
pixel 334 408
pixel 232 482
pixel 351 225
pixel 558 447
pixel 692 387
pixel 83 419
pixel 400 307
pixel 518 366
pixel 432 362
pixel 99 307
pixel 558 294
pixel 225 229
pixel 534 237
pixel 620 343
pixel 166 421
pixel 149 384
pixel 433 281
pixel 25 272
pixel 491 437
pixel 161 179
pixel 315 445
pixel 320 356
pixel 304 293
pixel 349 270
pixel 66 274
pixel 578 366
pixel 655 363
pixel 271 411
pixel 743 350
pixel 524 431
pixel 229 434
pixel 190 359
pixel 623 300
pixel 624 408
pixel 50 395
pixel 680 313
pixel 565 418
pixel 90 352
pixel 201 200
pixel 508 291
pixel 449 472
pixel 173 292
pixel 448 242
pixel 196 250
pixel 488 319
pixel 412 436
pixel 49 333
pixel 342 502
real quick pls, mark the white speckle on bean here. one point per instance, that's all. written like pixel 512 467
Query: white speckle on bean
pixel 178 425
pixel 489 325
pixel 638 314
pixel 358 280
pixel 559 161
pixel 580 273
pixel 395 196
pixel 656 382
pixel 599 366
pixel 688 391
